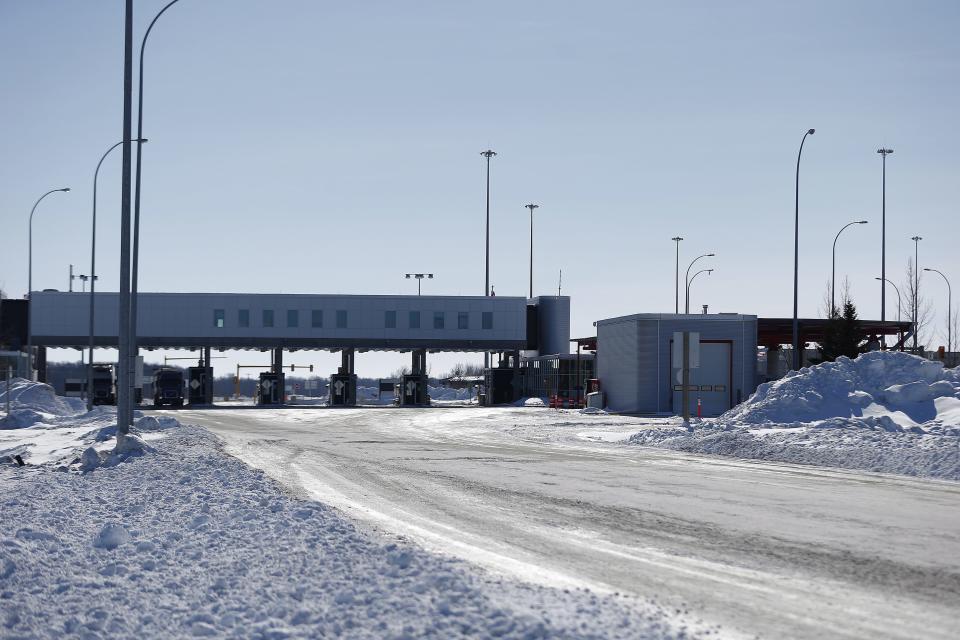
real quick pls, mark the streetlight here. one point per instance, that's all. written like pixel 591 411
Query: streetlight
pixel 531 207
pixel 883 151
pixel 833 268
pixel 489 153
pixel 132 340
pixel 796 256
pixel 690 284
pixel 916 286
pixel 83 280
pixel 949 309
pixel 899 301
pixel 687 278
pixel 30 279
pixel 93 269
pixel 676 278
pixel 419 277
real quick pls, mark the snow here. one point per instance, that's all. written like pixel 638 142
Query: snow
pixel 180 539
pixel 887 411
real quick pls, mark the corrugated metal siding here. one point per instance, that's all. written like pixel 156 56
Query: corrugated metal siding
pixel 646 349
pixel 617 365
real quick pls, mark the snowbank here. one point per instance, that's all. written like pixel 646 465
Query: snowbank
pixel 877 383
pixel 885 411
pixel 191 542
pixel 32 402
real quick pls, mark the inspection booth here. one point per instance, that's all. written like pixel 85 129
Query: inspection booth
pixel 637 371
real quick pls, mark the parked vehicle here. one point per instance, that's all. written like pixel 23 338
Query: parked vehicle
pixel 104 384
pixel 168 387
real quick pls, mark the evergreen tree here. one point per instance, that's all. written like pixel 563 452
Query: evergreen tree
pixel 842 336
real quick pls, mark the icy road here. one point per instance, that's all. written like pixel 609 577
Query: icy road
pixel 762 549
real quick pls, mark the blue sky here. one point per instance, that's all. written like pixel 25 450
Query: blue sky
pixel 330 147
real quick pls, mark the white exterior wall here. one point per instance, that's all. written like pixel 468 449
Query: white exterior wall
pixel 187 319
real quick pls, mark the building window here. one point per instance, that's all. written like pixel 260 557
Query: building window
pixel 463 320
pixel 218 318
pixel 268 317
pixel 414 319
pixel 438 319
pixel 243 317
pixel 293 318
pixel 341 319
pixel 487 320
pixel 316 318
pixel 390 320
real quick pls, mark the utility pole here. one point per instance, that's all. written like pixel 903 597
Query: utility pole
pixel 124 401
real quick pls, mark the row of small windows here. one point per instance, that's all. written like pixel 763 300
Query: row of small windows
pixel 316 319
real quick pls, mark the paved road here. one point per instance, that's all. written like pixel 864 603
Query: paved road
pixel 766 549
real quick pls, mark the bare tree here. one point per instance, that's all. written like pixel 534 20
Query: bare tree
pixel 845 297
pixel 917 308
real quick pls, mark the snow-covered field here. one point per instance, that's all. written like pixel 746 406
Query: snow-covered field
pixel 889 412
pixel 180 539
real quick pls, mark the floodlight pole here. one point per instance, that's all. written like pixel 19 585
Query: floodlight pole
pixel 419 277
pixel 676 278
pixel 489 153
pixel 883 151
pixel 796 257
pixel 531 207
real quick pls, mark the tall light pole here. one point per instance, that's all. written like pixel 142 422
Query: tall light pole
pixel 531 207
pixel 676 278
pixel 690 284
pixel 686 279
pixel 489 153
pixel 132 347
pixel 30 279
pixel 899 301
pixel 419 277
pixel 833 268
pixel 949 309
pixel 124 382
pixel 796 255
pixel 916 287
pixel 93 271
pixel 884 152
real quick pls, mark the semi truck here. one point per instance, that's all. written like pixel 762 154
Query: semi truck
pixel 168 387
pixel 104 384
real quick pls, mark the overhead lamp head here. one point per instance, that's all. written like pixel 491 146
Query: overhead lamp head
pixel 811 131
pixel 65 189
pixel 711 255
pixel 884 151
pixel 927 269
pixel 408 276
pixel 862 221
pixel 676 239
pixel 430 276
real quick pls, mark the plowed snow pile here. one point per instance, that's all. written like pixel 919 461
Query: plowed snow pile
pixel 885 411
pixel 181 540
